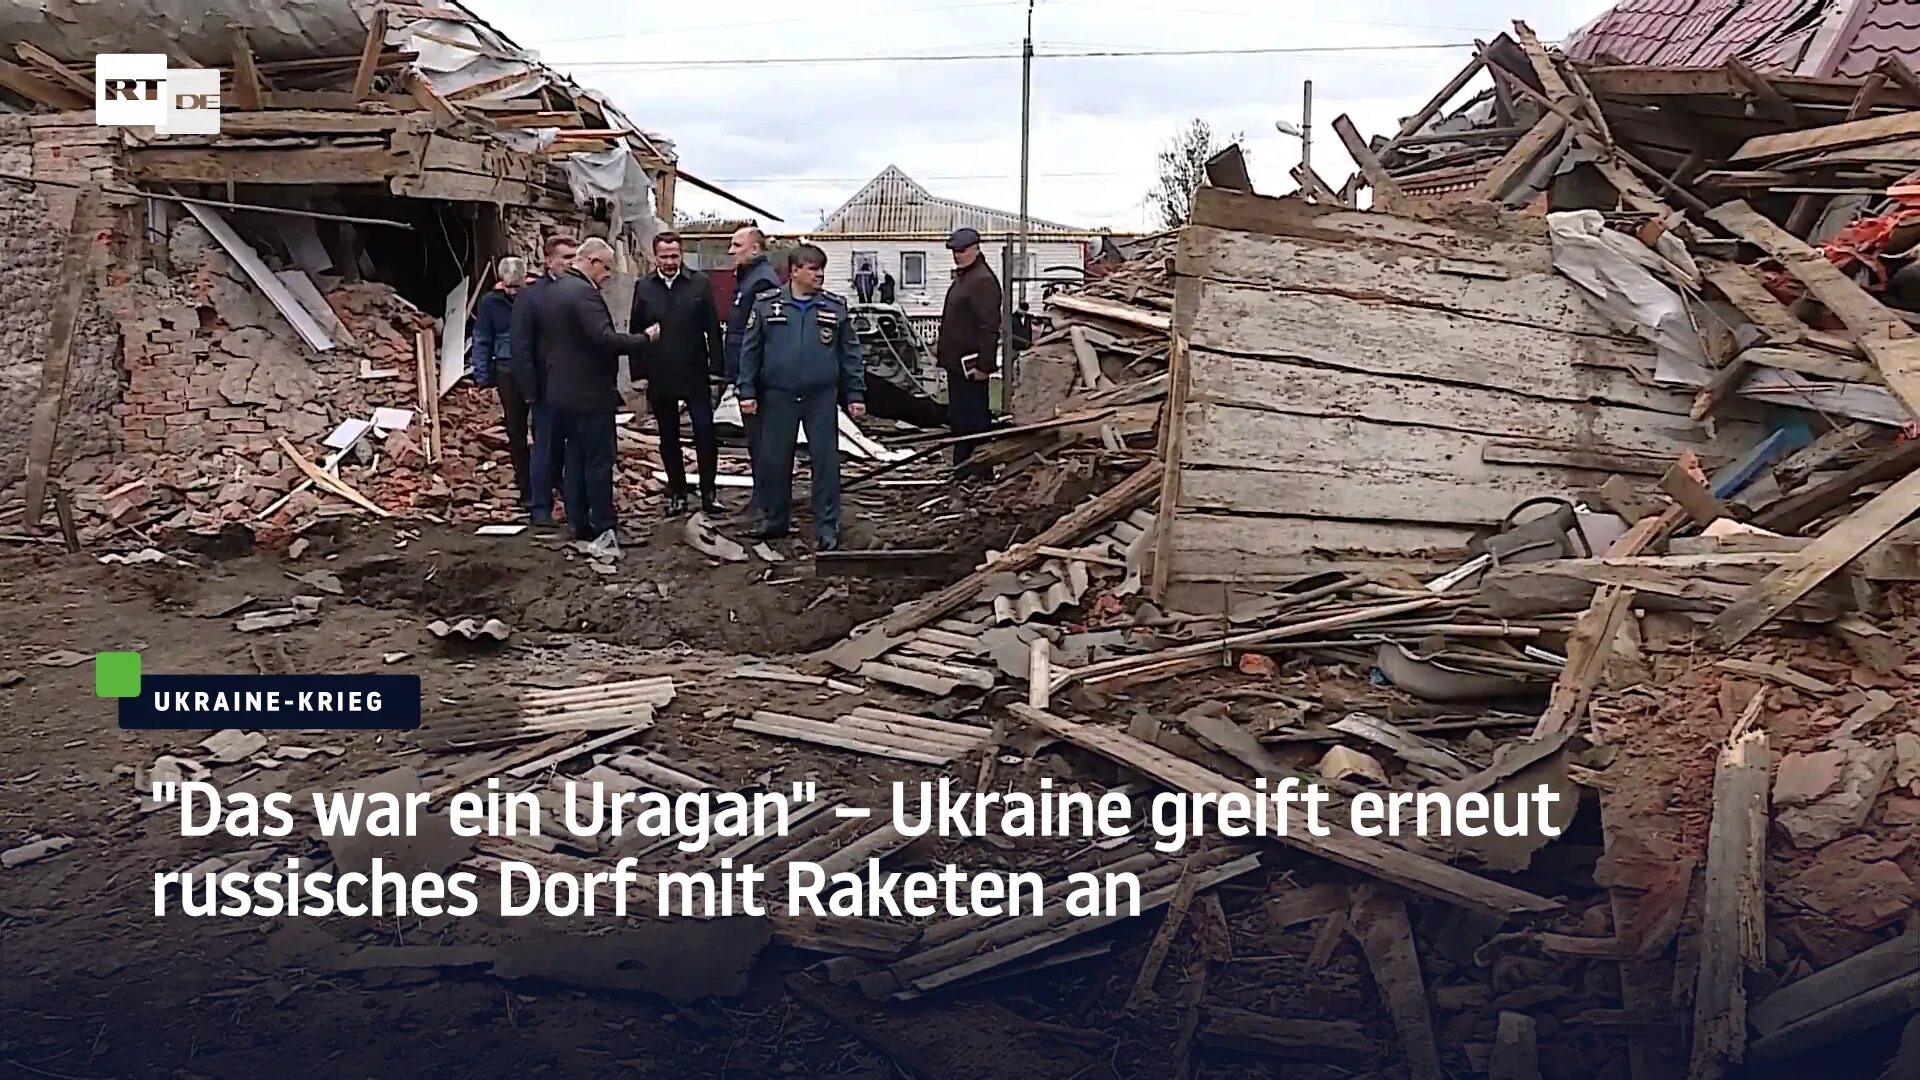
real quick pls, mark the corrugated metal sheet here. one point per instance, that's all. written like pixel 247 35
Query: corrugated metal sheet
pixel 1632 31
pixel 1890 28
pixel 893 203
pixel 1749 25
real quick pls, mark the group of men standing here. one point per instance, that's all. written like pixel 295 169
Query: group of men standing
pixel 547 342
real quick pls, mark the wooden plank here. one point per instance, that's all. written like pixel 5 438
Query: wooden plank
pixel 1533 453
pixel 1176 914
pixel 319 165
pixel 1114 310
pixel 1438 101
pixel 1807 569
pixel 1535 296
pixel 763 722
pixel 75 274
pixel 1379 922
pixel 263 279
pixel 1378 859
pixel 1414 342
pixel 1803 508
pixel 310 122
pixel 42 91
pixel 1772 102
pixel 33 54
pixel 1692 496
pixel 1812 362
pixel 1518 159
pixel 1387 196
pixel 1733 919
pixel 1849 302
pixel 1588 649
pixel 248 91
pixel 328 481
pixel 1235 546
pixel 548 761
pixel 1392 491
pixel 1833 136
pixel 370 55
pixel 1746 292
pixel 1831 987
pixel 1898 359
pixel 1173 449
pixel 1264 386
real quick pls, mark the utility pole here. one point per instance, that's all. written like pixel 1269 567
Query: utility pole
pixel 1306 128
pixel 1026 143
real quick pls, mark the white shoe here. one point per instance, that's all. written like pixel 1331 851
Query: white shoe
pixel 605 546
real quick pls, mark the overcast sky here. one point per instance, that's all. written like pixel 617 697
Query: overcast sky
pixel 799 138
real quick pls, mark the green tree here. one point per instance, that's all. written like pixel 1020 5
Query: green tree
pixel 1182 168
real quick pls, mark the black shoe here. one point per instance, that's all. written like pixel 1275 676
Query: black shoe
pixel 544 521
pixel 828 543
pixel 764 532
pixel 710 501
pixel 676 504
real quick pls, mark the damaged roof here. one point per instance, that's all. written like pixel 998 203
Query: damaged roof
pixel 1808 37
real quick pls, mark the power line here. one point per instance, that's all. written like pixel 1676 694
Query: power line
pixel 951 176
pixel 1089 54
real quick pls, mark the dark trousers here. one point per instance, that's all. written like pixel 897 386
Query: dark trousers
pixel 589 438
pixel 706 445
pixel 548 459
pixel 752 426
pixel 782 413
pixel 516 412
pixel 967 412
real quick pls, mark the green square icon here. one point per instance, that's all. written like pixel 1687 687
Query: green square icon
pixel 116 674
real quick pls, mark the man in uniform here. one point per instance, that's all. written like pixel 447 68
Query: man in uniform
pixel 754 279
pixel 799 362
pixel 527 362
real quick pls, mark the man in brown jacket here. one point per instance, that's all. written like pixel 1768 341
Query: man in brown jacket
pixel 969 345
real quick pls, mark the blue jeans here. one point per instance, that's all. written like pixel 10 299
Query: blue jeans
pixel 588 482
pixel 549 459
pixel 781 414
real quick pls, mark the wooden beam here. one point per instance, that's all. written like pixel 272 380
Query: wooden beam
pixel 1385 861
pixel 1897 72
pixel 322 165
pixel 1733 917
pixel 1378 921
pixel 1772 102
pixel 1867 98
pixel 80 84
pixel 41 91
pixel 1831 137
pixel 1387 196
pixel 370 55
pixel 1172 448
pixel 248 92
pixel 1518 159
pixel 1228 169
pixel 1807 569
pixel 1692 496
pixel 1747 293
pixel 75 274
pixel 1418 120
pixel 1802 508
pixel 1849 302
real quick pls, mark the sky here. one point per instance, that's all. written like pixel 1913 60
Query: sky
pixel 799 138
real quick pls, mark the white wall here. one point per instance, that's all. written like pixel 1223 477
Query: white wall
pixel 928 299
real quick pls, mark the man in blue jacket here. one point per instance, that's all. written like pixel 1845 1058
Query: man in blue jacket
pixel 754 279
pixel 492 366
pixel 799 361
pixel 528 364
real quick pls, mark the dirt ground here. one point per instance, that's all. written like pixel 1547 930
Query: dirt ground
pixel 96 986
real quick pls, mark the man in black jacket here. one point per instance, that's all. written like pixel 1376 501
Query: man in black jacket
pixel 969 344
pixel 582 350
pixel 525 360
pixel 754 279
pixel 674 308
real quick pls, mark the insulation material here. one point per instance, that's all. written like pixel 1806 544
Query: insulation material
pixel 614 175
pixel 1617 273
pixel 480 58
pixel 78 30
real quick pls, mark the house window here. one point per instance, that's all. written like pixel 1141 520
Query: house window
pixel 913 269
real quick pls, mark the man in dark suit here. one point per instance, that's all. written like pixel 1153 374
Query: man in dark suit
pixel 686 350
pixel 582 351
pixel 526 361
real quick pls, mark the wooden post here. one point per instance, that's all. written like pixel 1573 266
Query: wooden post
pixel 75 266
pixel 1733 920
pixel 248 92
pixel 370 55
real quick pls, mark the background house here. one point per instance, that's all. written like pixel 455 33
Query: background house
pixel 903 228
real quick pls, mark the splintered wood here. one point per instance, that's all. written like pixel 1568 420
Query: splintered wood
pixel 1733 922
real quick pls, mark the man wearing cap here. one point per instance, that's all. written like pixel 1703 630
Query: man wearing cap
pixel 969 345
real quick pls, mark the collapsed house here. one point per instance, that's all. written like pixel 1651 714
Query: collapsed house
pixel 315 260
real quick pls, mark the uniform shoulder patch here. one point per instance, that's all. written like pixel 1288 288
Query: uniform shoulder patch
pixel 834 297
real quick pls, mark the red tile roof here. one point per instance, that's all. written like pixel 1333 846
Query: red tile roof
pixel 1889 28
pixel 1693 33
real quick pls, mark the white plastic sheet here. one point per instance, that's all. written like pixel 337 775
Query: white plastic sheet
pixel 1622 277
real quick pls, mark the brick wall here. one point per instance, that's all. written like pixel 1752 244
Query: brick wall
pixel 33 230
